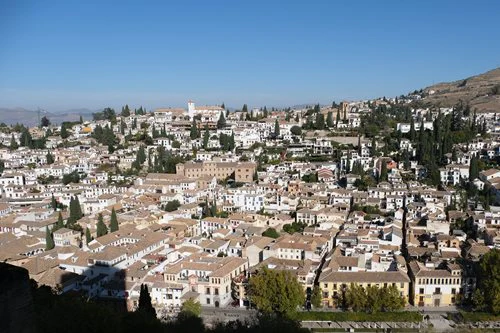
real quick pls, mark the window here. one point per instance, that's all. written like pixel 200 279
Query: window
pixel 208 300
pixel 208 291
pixel 453 291
pixel 421 290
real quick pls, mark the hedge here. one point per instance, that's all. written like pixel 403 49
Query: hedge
pixel 478 316
pixel 406 316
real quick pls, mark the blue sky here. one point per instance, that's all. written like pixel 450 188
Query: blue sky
pixel 72 54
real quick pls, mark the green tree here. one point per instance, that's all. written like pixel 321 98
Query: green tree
pixel 88 236
pixel 489 280
pixel 72 177
pixel 113 224
pixel 190 308
pixel 50 158
pixel 296 130
pixel 356 297
pixel 337 118
pixel 473 168
pixel 244 108
pixel 78 208
pixel 221 123
pixel 373 299
pixel 274 291
pixel 60 222
pixel 193 133
pixel 383 172
pixel 373 148
pixel 145 305
pixel 125 111
pixel 329 119
pixel 13 143
pixel 45 122
pixel 320 121
pixel 64 132
pixel 49 240
pixel 206 137
pixel 26 139
pixel 271 232
pixel 316 297
pixel 172 205
pixel 53 203
pixel 101 227
pixel 392 300
pixel 276 128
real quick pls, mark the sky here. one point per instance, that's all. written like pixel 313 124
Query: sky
pixel 60 55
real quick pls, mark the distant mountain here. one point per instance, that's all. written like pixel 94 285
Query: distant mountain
pixel 482 92
pixel 11 116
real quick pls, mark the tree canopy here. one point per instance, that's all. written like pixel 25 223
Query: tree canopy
pixel 275 291
pixel 487 295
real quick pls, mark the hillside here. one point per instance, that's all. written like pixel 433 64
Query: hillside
pixel 30 118
pixel 481 92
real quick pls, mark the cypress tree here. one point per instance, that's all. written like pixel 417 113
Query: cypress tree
pixel 329 119
pixel 337 119
pixel 64 132
pixel 206 137
pixel 473 168
pixel 113 225
pixel 276 128
pixel 49 241
pixel 412 130
pixel 145 305
pixel 101 227
pixel 213 209
pixel 13 143
pixel 320 121
pixel 232 144
pixel 373 148
pixel 53 203
pixel 50 158
pixel 60 222
pixel 88 236
pixel 78 209
pixel 193 134
pixel 221 123
pixel 72 212
pixel 383 172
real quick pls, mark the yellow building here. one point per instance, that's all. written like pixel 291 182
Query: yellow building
pixel 435 287
pixel 243 171
pixel 334 283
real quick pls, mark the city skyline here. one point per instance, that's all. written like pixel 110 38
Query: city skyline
pixel 61 56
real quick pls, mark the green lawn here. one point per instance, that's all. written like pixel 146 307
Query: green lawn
pixel 360 316
pixel 478 316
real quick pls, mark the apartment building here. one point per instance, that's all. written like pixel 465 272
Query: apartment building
pixel 243 171
pixel 333 284
pixel 435 286
pixel 207 279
